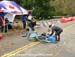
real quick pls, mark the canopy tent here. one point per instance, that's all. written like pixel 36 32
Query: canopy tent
pixel 10 17
pixel 10 9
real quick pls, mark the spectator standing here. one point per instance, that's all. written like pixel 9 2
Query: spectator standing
pixel 24 17
pixel 6 24
pixel 2 24
pixel 32 24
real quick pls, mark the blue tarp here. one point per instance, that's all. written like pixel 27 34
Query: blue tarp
pixel 52 39
pixel 34 35
pixel 49 39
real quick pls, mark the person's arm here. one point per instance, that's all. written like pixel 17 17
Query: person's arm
pixel 52 32
pixel 35 23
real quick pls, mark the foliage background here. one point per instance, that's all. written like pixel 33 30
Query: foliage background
pixel 45 8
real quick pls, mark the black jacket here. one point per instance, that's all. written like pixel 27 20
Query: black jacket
pixel 55 29
pixel 32 24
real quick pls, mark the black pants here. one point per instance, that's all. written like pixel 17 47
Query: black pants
pixel 24 24
pixel 57 35
pixel 6 28
pixel 2 28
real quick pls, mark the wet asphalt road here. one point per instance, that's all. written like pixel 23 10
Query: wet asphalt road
pixel 65 48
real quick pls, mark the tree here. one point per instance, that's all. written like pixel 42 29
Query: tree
pixel 64 7
pixel 42 8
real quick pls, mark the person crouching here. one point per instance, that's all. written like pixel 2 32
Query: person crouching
pixel 57 30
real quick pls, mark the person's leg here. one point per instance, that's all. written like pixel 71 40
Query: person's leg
pixel 28 35
pixel 24 24
pixel 6 28
pixel 58 35
pixel 1 28
pixel 29 32
pixel 58 39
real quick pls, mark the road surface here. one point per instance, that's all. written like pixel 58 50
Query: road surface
pixel 18 46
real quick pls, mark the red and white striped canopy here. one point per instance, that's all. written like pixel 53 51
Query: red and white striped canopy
pixel 12 7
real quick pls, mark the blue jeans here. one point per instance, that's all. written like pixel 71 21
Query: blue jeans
pixel 29 33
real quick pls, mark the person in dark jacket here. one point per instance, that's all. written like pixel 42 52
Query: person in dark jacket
pixel 57 30
pixel 32 24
